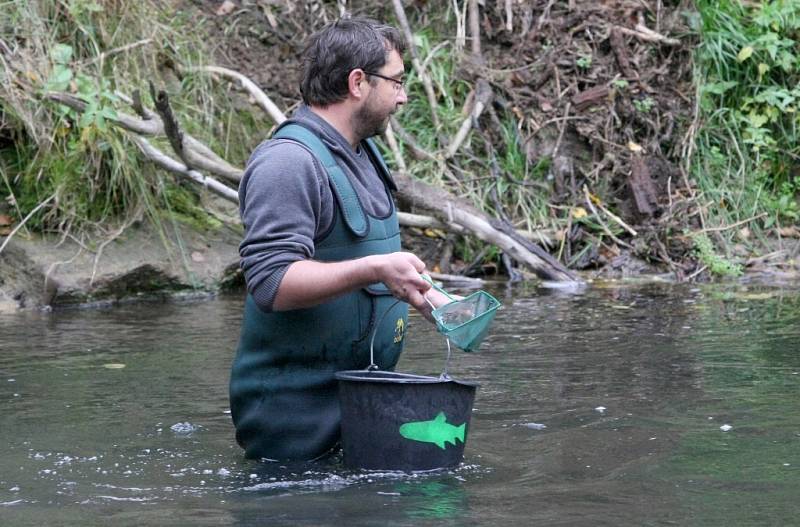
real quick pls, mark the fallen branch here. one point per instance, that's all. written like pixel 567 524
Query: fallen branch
pixel 102 56
pixel 213 163
pixel 395 148
pixel 154 127
pixel 417 151
pixel 449 209
pixel 475 29
pixel 427 222
pixel 167 163
pixel 456 279
pixel 171 127
pixel 646 34
pixel 621 54
pixel 733 225
pixel 610 214
pixel 263 102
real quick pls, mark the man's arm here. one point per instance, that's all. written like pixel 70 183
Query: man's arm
pixel 307 283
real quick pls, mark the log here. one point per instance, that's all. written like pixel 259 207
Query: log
pixel 590 97
pixel 621 54
pixel 449 209
pixel 641 186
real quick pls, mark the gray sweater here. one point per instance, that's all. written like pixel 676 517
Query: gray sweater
pixel 287 206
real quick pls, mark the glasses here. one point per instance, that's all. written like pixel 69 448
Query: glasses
pixel 398 84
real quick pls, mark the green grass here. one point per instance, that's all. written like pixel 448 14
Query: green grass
pixel 748 147
pixel 96 50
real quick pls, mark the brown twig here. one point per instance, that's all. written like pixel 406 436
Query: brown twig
pixel 24 221
pixel 610 214
pixel 104 55
pixel 618 46
pixel 171 127
pixel 600 220
pixel 475 30
pixel 483 96
pixel 733 225
pixel 648 35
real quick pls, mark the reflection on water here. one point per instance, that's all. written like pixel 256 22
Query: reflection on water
pixel 603 406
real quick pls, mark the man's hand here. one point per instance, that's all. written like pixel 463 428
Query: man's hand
pixel 400 272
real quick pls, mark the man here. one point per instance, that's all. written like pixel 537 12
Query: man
pixel 321 250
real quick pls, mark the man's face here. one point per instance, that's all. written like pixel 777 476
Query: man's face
pixel 383 98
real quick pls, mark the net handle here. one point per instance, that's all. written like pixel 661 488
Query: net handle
pixel 428 279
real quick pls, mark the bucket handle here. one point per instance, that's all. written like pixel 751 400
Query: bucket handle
pixel 373 367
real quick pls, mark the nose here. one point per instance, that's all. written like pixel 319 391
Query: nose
pixel 402 96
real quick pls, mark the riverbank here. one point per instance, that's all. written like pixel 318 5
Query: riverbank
pixel 49 272
pixel 588 129
pixel 52 273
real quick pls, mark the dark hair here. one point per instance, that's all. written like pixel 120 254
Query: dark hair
pixel 337 49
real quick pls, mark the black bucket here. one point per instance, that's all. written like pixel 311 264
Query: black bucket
pixel 400 421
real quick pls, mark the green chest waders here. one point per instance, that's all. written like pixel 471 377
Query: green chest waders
pixel 283 393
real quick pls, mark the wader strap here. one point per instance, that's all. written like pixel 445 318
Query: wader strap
pixel 351 207
pixel 380 165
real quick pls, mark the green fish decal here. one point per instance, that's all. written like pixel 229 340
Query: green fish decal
pixel 437 431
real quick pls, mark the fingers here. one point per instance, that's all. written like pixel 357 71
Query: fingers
pixel 417 300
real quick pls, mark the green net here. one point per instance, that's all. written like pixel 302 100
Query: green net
pixel 466 322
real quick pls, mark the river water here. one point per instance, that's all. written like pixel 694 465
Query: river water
pixel 620 404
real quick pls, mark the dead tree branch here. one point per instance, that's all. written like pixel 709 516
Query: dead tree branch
pixel 171 165
pixel 646 34
pixel 199 154
pixel 261 99
pixel 475 29
pixel 449 209
pixel 483 97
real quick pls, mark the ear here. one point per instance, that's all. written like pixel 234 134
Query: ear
pixel 355 81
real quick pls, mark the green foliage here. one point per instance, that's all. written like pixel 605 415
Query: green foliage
pixel 584 62
pixel 717 264
pixel 748 70
pixel 619 84
pixel 94 51
pixel 643 105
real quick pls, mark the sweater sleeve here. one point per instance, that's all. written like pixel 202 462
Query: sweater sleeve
pixel 284 202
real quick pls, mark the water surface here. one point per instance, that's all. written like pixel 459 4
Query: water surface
pixel 603 407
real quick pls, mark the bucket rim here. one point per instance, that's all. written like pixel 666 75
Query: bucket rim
pixel 393 377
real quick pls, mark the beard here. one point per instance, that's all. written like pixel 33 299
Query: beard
pixel 370 121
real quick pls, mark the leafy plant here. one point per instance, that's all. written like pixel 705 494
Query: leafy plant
pixel 749 76
pixel 93 50
pixel 584 62
pixel 708 256
pixel 619 84
pixel 643 105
